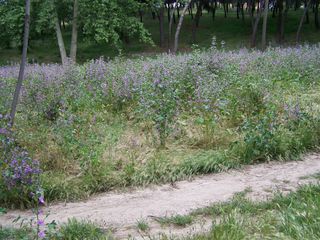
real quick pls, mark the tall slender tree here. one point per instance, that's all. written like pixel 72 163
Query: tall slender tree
pixel 264 25
pixel 74 38
pixel 176 38
pixel 23 62
pixel 301 21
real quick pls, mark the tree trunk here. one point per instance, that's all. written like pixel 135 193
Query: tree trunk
pixel 283 20
pixel 161 22
pixel 23 63
pixel 316 15
pixel 307 12
pixel 255 29
pixel 225 9
pixel 191 11
pixel 74 40
pixel 170 30
pixel 214 7
pixel 176 37
pixel 253 7
pixel 238 10
pixel 280 21
pixel 301 21
pixel 62 49
pixel 264 26
pixel 196 22
pixel 242 11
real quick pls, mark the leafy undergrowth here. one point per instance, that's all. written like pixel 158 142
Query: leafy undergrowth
pixel 106 125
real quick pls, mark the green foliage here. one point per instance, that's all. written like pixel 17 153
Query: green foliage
pixel 160 102
pixel 11 23
pixel 112 21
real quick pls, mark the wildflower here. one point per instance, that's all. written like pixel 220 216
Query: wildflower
pixel 41 200
pixel 42 234
pixel 40 222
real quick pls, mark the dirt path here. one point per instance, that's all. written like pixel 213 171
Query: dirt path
pixel 122 210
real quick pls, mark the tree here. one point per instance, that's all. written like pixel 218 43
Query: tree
pixel 11 23
pixel 176 38
pixel 264 26
pixel 112 21
pixel 302 20
pixel 255 28
pixel 23 62
pixel 74 38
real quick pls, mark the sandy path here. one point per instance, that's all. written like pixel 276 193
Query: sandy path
pixel 121 210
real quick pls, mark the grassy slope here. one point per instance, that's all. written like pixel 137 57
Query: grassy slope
pixel 91 148
pixel 236 34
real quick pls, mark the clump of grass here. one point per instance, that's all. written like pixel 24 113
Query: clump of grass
pixel 72 230
pixel 142 225
pixel 75 229
pixel 177 220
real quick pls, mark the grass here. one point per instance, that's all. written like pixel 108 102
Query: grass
pixel 76 230
pixel 73 230
pixel 295 216
pixel 177 220
pixel 285 217
pixel 235 33
pixel 142 225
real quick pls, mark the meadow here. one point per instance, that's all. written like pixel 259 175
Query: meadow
pixel 112 124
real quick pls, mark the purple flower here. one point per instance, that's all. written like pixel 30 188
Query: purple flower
pixel 4 131
pixel 40 222
pixel 41 200
pixel 41 234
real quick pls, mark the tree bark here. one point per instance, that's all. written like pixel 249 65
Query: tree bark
pixel 196 22
pixel 62 48
pixel 264 26
pixel 280 21
pixel 214 7
pixel 255 29
pixel 23 63
pixel 74 39
pixel 225 9
pixel 161 23
pixel 301 21
pixel 176 37
pixel 170 30
pixel 307 12
pixel 242 11
pixel 316 15
pixel 238 9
